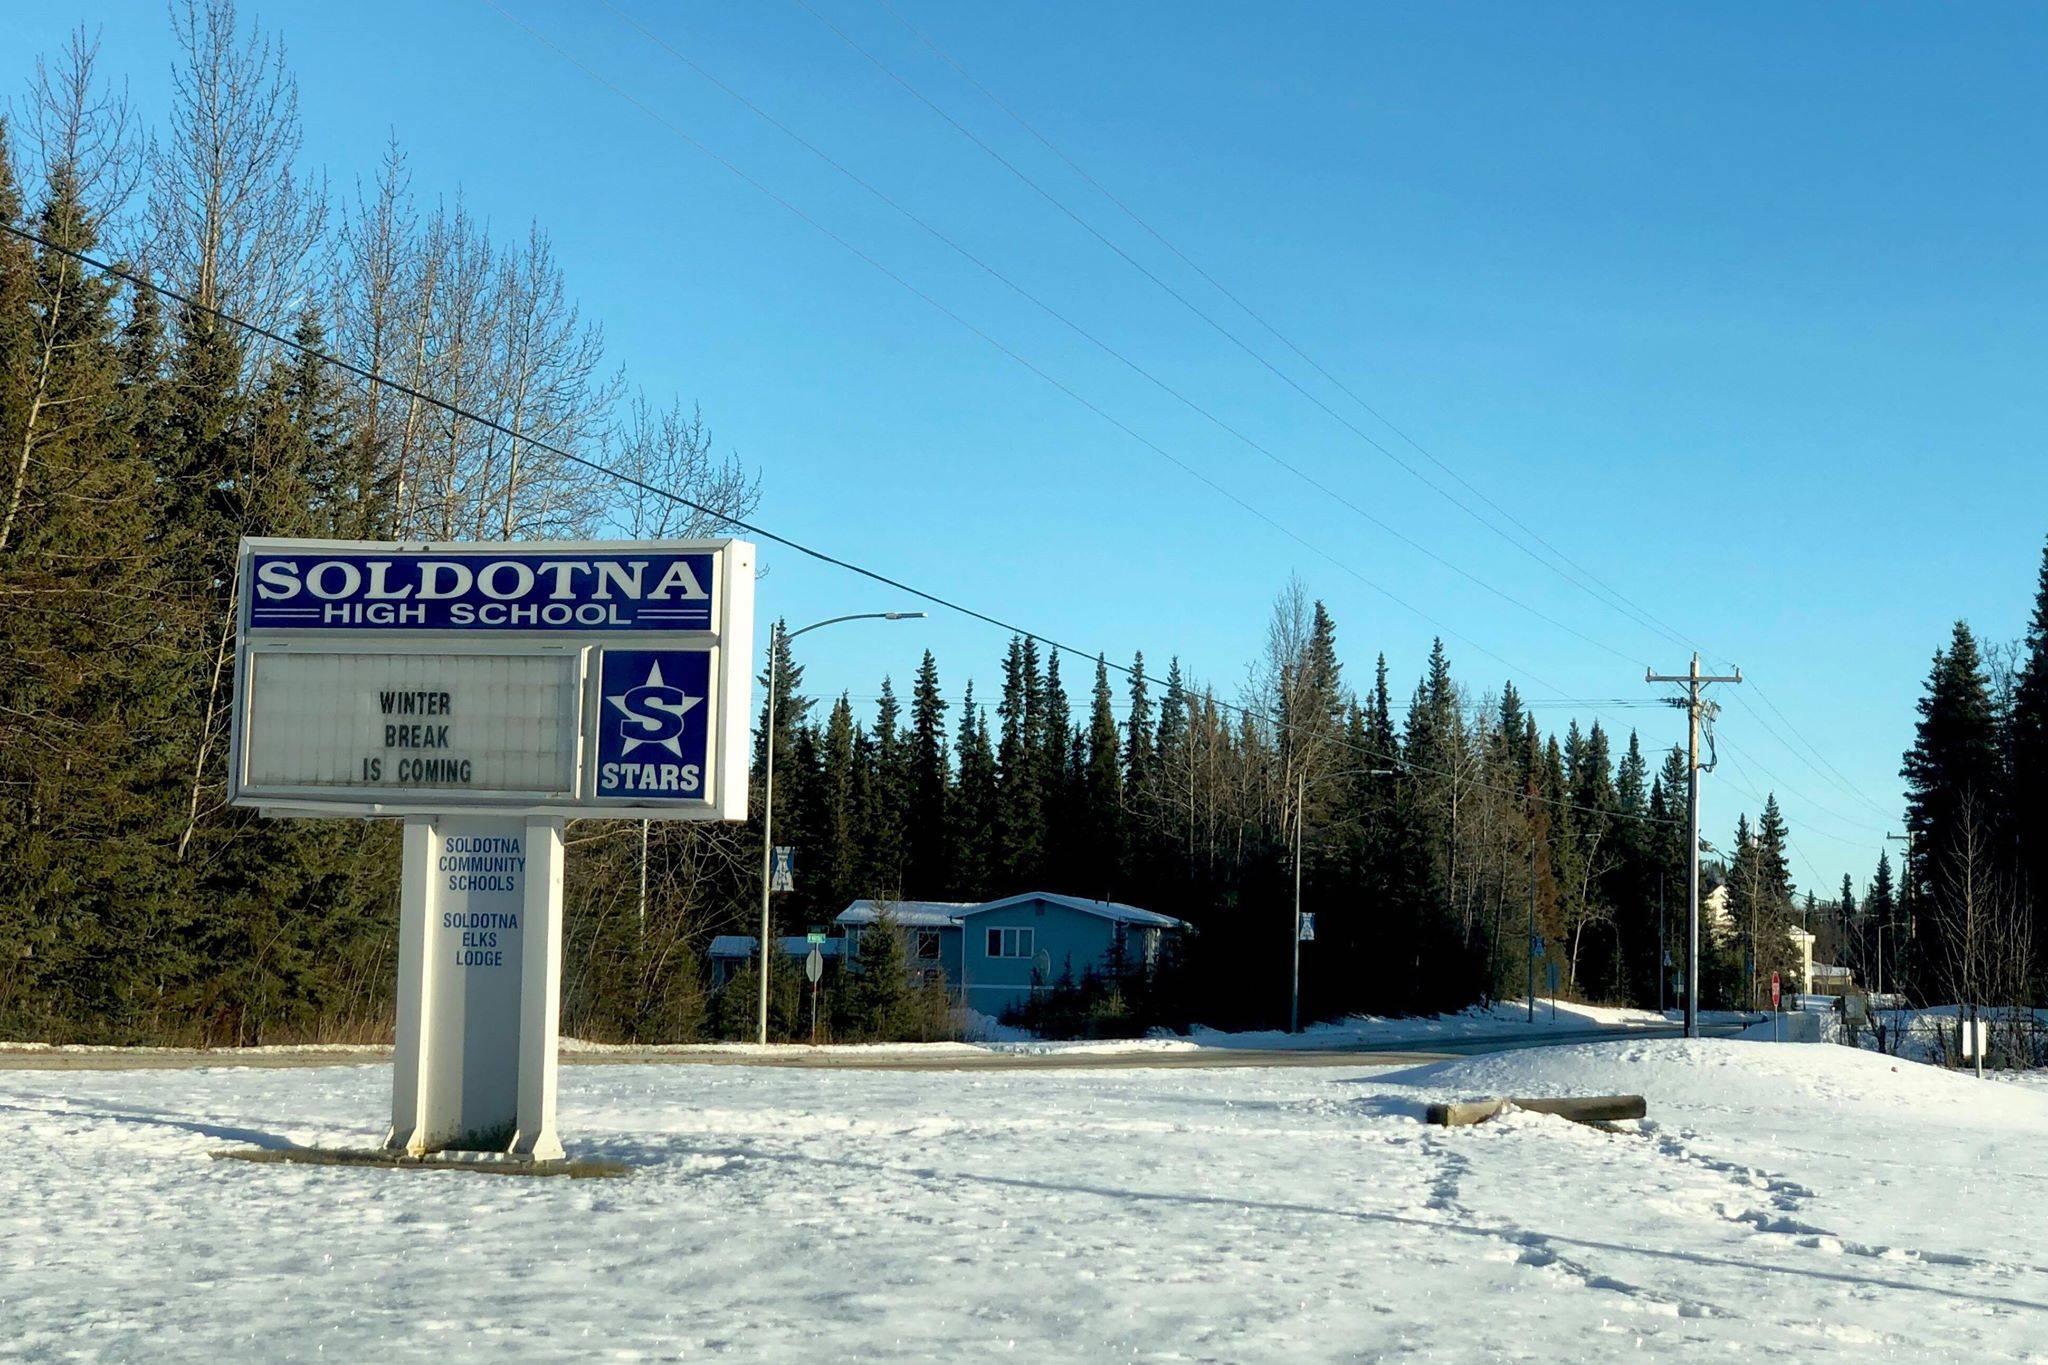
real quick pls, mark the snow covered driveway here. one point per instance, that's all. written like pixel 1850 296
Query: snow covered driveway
pixel 1811 1199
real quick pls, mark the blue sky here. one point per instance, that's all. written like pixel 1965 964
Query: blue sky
pixel 1738 305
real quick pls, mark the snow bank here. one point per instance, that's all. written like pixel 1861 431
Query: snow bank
pixel 1699 1077
pixel 1477 1022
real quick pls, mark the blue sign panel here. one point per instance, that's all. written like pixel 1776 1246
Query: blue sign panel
pixel 596 590
pixel 652 730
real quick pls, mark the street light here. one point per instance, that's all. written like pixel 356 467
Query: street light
pixel 768 783
pixel 1300 817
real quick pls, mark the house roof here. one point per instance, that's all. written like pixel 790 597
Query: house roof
pixel 909 914
pixel 953 914
pixel 742 946
pixel 1109 910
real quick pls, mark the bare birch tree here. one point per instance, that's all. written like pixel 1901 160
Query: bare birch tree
pixel 236 224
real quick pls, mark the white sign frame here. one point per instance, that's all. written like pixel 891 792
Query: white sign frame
pixel 730 643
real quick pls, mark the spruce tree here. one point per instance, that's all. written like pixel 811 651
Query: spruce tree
pixel 1160 828
pixel 81 614
pixel 930 858
pixel 1059 777
pixel 975 806
pixel 1103 795
pixel 1139 741
pixel 889 795
pixel 878 993
pixel 1878 933
pixel 1019 817
pixel 832 863
pixel 1955 800
pixel 2029 768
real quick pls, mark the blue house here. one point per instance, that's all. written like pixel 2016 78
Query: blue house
pixel 931 932
pixel 995 954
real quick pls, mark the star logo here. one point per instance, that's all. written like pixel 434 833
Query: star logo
pixel 653 713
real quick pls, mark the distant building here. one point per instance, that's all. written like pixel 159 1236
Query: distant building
pixel 1715 916
pixel 731 952
pixel 995 954
pixel 1720 926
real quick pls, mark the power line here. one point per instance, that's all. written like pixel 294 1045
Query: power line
pixel 1840 782
pixel 1614 598
pixel 1013 355
pixel 1017 357
pixel 1779 784
pixel 1621 603
pixel 1107 349
pixel 1811 866
pixel 1035 369
pixel 373 378
pixel 1180 298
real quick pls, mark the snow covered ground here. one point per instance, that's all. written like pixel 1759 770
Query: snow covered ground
pixel 1814 1200
pixel 1480 1021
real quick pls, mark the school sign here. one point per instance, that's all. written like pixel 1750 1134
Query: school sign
pixel 487 694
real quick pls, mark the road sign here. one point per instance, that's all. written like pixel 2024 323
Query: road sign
pixel 487 693
pixel 1041 967
pixel 1539 947
pixel 814 966
pixel 782 869
pixel 1776 996
pixel 1308 926
pixel 816 936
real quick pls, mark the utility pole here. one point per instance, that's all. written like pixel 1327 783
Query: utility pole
pixel 1905 898
pixel 1695 710
pixel 1529 948
pixel 1663 952
pixel 1300 816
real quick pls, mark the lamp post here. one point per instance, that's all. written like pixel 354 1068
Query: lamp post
pixel 1300 818
pixel 776 635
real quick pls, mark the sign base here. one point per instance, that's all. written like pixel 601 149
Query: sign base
pixel 479 987
pixel 486 1163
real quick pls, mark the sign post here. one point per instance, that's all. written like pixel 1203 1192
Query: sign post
pixel 814 971
pixel 486 695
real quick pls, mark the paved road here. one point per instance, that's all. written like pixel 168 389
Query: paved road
pixel 1359 1054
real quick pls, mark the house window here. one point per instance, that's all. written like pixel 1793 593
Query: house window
pixel 1010 942
pixel 927 943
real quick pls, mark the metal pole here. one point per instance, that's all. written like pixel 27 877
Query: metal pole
pixel 1529 948
pixel 644 825
pixel 1692 859
pixel 778 633
pixel 1300 810
pixel 1663 953
pixel 1905 898
pixel 767 832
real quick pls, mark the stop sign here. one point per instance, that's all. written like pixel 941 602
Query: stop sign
pixel 1775 996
